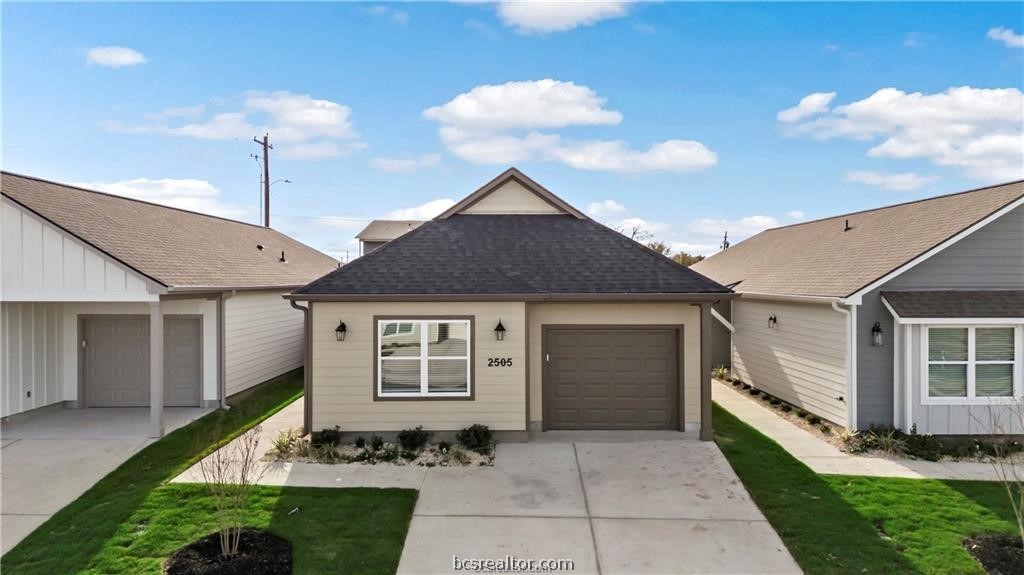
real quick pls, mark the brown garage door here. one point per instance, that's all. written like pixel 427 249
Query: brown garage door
pixel 611 378
pixel 117 361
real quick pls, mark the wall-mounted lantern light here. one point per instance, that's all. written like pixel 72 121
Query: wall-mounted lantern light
pixel 877 335
pixel 772 320
pixel 499 331
pixel 340 331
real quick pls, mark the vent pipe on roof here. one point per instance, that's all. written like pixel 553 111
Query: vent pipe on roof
pixel 282 260
pixel 847 227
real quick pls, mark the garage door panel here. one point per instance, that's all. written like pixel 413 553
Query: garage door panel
pixel 117 361
pixel 611 378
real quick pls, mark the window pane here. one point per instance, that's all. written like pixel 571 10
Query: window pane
pixel 400 340
pixel 994 380
pixel 399 376
pixel 448 339
pixel 947 344
pixel 947 380
pixel 446 375
pixel 994 344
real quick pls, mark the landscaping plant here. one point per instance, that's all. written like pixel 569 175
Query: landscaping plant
pixel 230 474
pixel 720 372
pixel 414 439
pixel 476 438
pixel 330 436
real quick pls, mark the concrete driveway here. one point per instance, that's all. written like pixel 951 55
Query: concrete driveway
pixel 48 460
pixel 660 506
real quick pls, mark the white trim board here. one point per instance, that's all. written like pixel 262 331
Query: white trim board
pixel 858 296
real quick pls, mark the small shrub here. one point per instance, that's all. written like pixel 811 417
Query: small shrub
pixel 825 429
pixel 754 392
pixel 851 440
pixel 891 443
pixel 775 401
pixel 927 447
pixel 330 437
pixel 444 446
pixel 801 414
pixel 327 454
pixel 765 397
pixel 476 438
pixel 720 372
pixel 746 386
pixel 414 439
pixel 304 448
pixel 387 453
pixel 736 383
pixel 409 455
pixel 360 442
pixel 813 419
pixel 376 443
pixel 285 441
pixel 458 455
pixel 787 408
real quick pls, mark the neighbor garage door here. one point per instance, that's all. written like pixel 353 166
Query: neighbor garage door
pixel 117 361
pixel 611 378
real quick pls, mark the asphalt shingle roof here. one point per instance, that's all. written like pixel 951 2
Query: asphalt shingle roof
pixel 175 247
pixel 512 254
pixel 957 304
pixel 819 258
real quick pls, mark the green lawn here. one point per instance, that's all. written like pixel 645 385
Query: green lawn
pixel 845 524
pixel 132 517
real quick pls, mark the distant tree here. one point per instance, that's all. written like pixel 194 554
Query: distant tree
pixel 660 247
pixel 685 259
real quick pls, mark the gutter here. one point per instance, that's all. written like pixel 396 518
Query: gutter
pixel 791 297
pixel 851 363
pixel 307 368
pixel 221 349
pixel 710 297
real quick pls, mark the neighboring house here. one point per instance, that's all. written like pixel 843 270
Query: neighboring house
pixel 85 274
pixel 380 232
pixel 514 310
pixel 908 315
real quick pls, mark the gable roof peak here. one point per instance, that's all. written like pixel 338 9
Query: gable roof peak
pixel 512 174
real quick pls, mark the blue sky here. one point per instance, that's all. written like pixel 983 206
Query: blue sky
pixel 684 119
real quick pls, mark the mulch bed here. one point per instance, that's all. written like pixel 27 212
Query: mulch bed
pixel 998 554
pixel 259 553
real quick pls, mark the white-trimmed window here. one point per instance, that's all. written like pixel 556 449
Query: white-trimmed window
pixel 424 357
pixel 972 364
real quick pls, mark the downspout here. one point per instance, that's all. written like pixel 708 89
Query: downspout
pixel 851 363
pixel 307 368
pixel 222 374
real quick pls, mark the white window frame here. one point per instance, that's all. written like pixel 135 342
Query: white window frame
pixel 971 398
pixel 424 359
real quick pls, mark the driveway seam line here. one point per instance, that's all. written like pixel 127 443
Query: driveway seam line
pixel 586 507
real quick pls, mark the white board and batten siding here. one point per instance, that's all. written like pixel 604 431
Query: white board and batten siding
pixel 343 371
pixel 801 360
pixel 32 356
pixel 512 198
pixel 264 338
pixel 40 262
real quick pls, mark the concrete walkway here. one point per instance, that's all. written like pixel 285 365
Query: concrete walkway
pixel 824 458
pixel 643 505
pixel 49 459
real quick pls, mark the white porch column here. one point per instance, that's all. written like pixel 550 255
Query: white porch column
pixel 156 369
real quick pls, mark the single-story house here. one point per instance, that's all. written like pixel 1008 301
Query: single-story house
pixel 515 310
pixel 380 232
pixel 907 316
pixel 85 275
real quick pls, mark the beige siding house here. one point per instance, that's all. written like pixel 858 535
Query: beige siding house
pixel 85 276
pixel 906 316
pixel 542 319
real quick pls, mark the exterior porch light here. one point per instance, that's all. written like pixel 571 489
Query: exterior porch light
pixel 340 331
pixel 877 335
pixel 499 331
pixel 772 321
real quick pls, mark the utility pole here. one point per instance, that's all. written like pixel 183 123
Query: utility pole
pixel 265 142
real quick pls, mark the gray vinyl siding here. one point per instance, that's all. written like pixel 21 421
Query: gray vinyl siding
pixel 264 337
pixel 992 257
pixel 801 360
pixel 721 339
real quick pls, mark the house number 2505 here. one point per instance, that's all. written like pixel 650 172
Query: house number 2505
pixel 499 362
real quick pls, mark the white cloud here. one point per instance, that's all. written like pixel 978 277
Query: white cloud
pixel 399 165
pixel 978 130
pixel 187 194
pixel 541 104
pixel 545 16
pixel 795 214
pixel 695 249
pixel 484 30
pixel 114 56
pixel 650 226
pixel 342 222
pixel 501 124
pixel 425 211
pixel 300 126
pixel 604 208
pixel 917 39
pixel 395 15
pixel 809 105
pixel 831 47
pixel 894 182
pixel 1007 36
pixel 738 228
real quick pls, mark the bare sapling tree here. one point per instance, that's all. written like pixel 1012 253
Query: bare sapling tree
pixel 230 474
pixel 1007 421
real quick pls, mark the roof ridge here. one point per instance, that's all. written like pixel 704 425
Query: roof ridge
pixel 901 204
pixel 126 198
